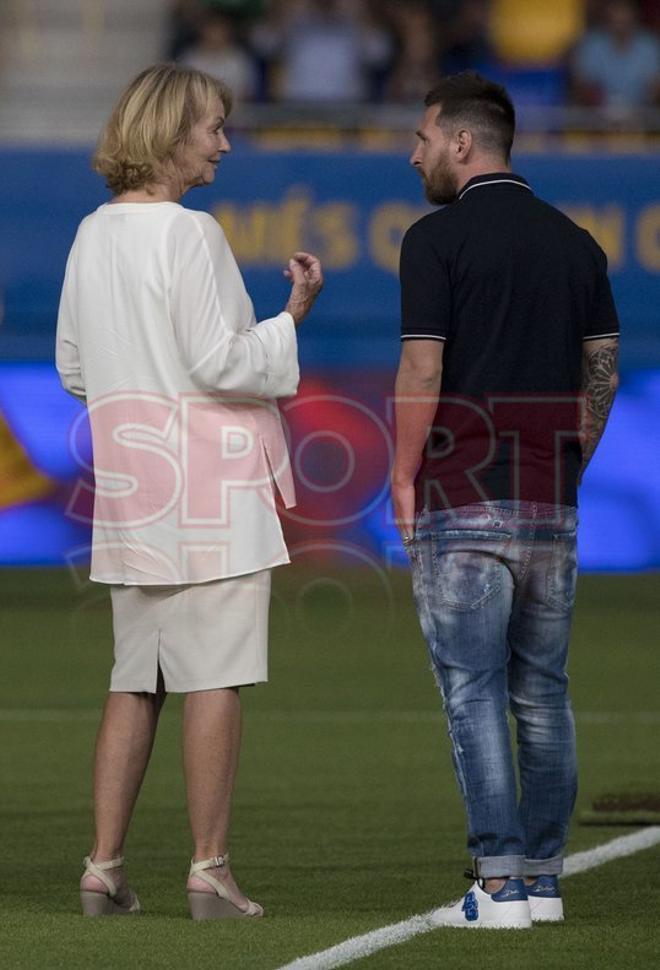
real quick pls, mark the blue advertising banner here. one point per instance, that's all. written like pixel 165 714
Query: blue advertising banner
pixel 341 444
pixel 351 209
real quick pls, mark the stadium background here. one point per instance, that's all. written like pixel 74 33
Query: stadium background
pixel 333 178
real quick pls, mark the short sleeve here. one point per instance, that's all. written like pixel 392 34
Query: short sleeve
pixel 425 288
pixel 603 320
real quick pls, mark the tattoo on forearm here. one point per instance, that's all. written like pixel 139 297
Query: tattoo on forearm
pixel 599 384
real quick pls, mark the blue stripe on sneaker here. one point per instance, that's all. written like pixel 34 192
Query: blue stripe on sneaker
pixel 546 887
pixel 513 891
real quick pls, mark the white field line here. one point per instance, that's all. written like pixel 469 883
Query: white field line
pixel 616 849
pixel 358 947
pixel 47 715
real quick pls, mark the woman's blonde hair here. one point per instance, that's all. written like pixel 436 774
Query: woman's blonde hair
pixel 154 115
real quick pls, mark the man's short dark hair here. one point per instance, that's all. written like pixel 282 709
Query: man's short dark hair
pixel 479 104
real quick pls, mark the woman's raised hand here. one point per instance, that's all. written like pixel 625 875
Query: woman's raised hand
pixel 306 277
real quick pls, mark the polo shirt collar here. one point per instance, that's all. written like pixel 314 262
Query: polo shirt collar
pixel 495 178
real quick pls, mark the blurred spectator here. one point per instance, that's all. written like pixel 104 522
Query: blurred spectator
pixel 469 46
pixel 417 64
pixel 444 10
pixel 651 13
pixel 236 9
pixel 358 50
pixel 184 17
pixel 619 62
pixel 323 50
pixel 218 53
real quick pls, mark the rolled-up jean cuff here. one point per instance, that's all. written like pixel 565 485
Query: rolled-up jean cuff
pixel 544 867
pixel 492 866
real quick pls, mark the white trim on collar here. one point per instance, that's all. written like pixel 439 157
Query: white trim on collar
pixel 477 185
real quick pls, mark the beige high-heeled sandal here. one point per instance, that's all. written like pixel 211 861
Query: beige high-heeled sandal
pixel 220 904
pixel 104 904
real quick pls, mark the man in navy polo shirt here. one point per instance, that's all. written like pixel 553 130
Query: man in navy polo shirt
pixel 506 310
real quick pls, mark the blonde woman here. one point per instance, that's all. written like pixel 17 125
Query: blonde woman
pixel 158 335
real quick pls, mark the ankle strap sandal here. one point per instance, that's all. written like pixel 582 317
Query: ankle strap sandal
pixel 222 903
pixel 112 903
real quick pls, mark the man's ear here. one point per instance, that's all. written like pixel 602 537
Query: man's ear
pixel 463 142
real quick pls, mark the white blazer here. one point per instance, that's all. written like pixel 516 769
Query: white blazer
pixel 157 334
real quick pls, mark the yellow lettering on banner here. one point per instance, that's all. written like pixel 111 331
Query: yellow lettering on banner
pixel 386 230
pixel 648 238
pixel 246 229
pixel 266 233
pixel 607 225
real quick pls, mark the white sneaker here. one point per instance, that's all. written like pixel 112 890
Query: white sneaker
pixel 508 908
pixel 545 900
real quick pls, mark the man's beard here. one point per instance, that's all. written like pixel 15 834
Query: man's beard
pixel 440 188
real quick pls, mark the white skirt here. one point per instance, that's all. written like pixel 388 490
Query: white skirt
pixel 202 635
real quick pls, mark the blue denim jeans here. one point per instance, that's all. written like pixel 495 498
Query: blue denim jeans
pixel 494 587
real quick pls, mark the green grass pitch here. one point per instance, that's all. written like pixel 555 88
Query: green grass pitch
pixel 346 814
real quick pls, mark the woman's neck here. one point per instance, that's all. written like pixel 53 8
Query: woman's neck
pixel 155 192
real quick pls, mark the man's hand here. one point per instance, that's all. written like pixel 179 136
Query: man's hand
pixel 306 278
pixel 403 501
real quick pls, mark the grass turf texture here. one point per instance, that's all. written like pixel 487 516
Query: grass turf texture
pixel 346 814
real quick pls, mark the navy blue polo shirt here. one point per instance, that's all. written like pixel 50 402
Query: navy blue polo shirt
pixel 513 288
